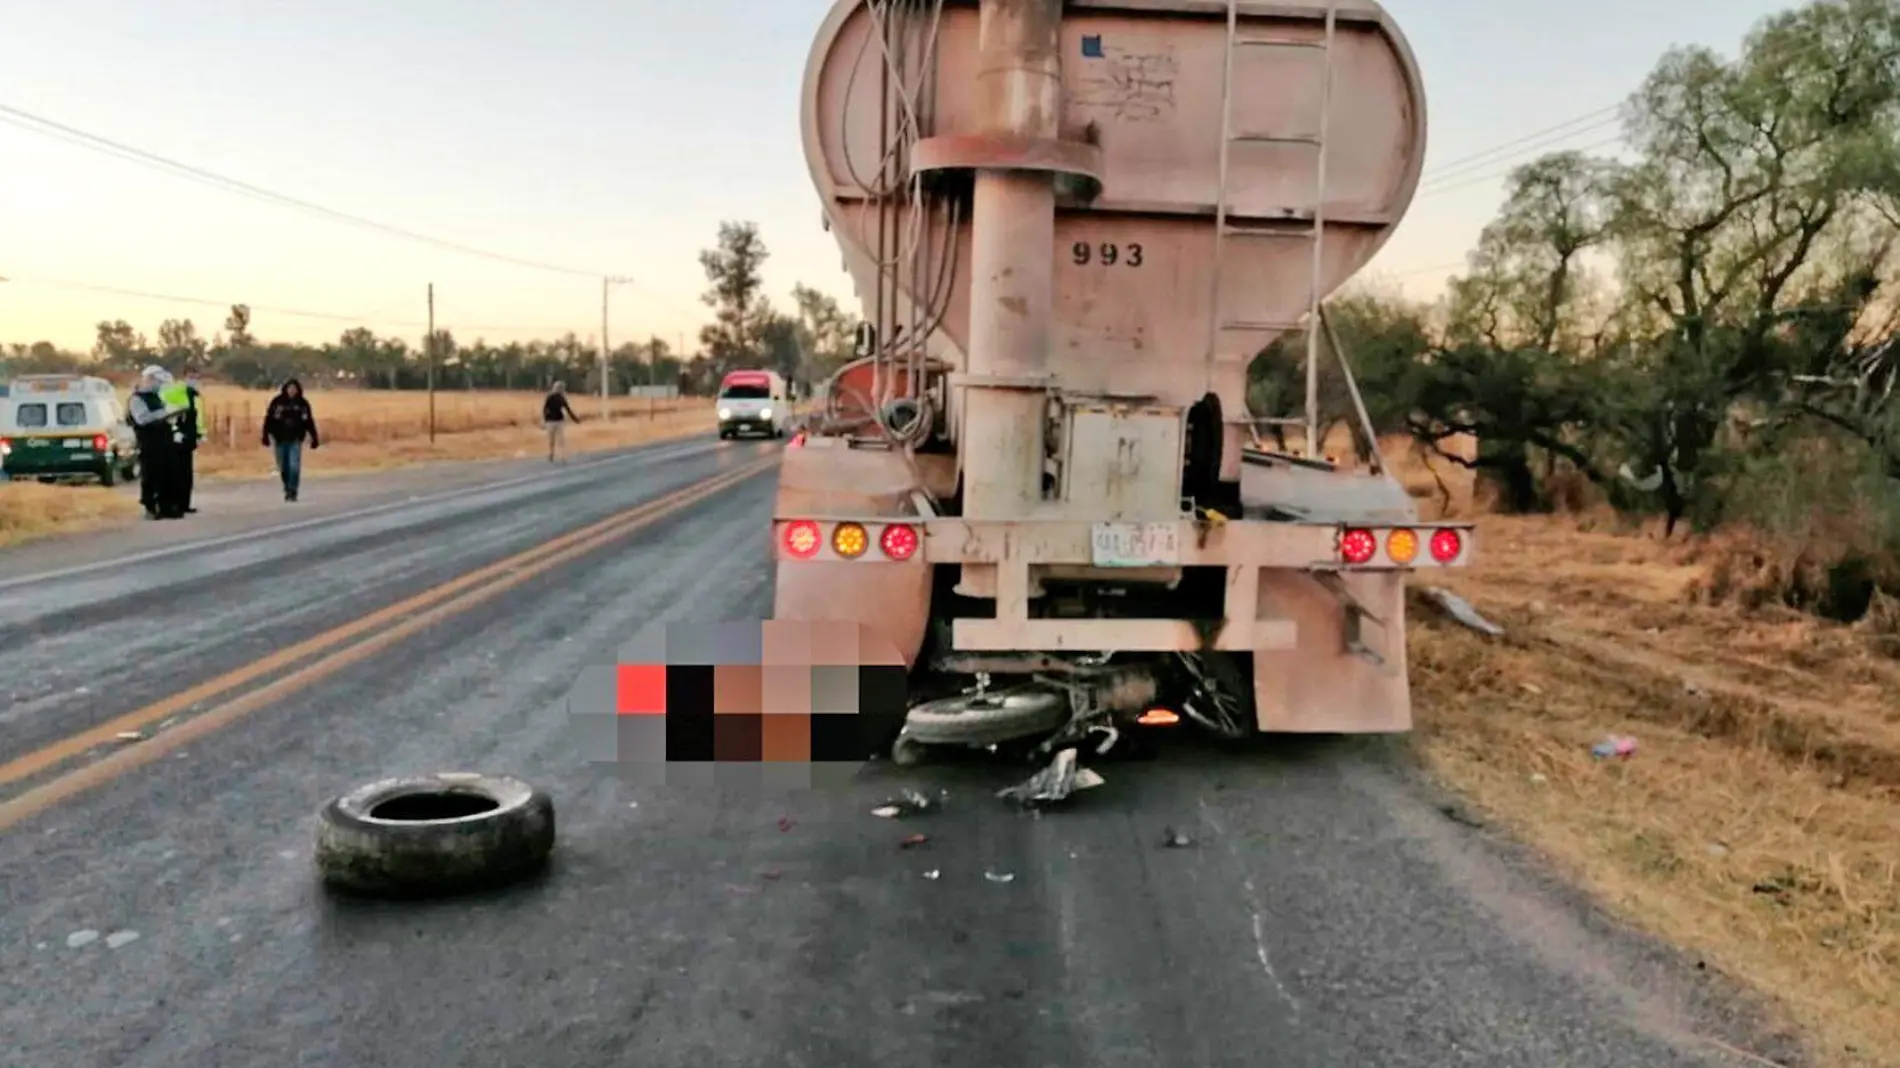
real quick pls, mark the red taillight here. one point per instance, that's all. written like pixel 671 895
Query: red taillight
pixel 898 541
pixel 1358 546
pixel 1446 545
pixel 802 539
pixel 99 442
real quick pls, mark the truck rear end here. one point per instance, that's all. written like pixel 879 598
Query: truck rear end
pixel 1073 227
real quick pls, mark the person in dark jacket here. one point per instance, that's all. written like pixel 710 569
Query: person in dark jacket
pixel 161 446
pixel 555 412
pixel 288 422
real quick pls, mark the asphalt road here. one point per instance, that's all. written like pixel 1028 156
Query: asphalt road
pixel 1327 913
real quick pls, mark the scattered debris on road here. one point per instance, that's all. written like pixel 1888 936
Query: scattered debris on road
pixel 130 736
pixel 784 823
pixel 909 803
pixel 1173 839
pixel 933 874
pixel 913 841
pixel 1000 876
pixel 1054 783
pixel 1460 611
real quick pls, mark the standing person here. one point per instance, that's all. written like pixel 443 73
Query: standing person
pixel 184 396
pixel 555 412
pixel 287 422
pixel 160 442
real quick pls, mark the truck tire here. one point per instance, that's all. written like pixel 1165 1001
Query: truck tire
pixel 433 835
pixel 988 719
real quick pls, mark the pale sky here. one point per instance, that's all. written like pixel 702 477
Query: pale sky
pixel 609 137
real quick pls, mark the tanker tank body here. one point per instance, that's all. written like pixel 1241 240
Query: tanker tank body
pixel 1072 226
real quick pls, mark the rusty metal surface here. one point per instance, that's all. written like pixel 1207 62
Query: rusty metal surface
pixel 1002 151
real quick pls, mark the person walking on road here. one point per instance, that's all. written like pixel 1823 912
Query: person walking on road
pixel 161 443
pixel 287 423
pixel 555 412
pixel 184 396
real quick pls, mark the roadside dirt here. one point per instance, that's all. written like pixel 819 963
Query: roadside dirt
pixel 1753 825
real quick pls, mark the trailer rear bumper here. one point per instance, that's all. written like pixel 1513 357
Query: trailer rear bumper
pixel 1010 560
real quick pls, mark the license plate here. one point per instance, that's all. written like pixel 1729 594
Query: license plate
pixel 1135 545
pixel 75 443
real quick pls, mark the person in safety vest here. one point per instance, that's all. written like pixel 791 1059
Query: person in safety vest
pixel 185 396
pixel 161 442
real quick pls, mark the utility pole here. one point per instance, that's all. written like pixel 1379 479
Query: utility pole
pixel 429 344
pixel 606 350
pixel 605 285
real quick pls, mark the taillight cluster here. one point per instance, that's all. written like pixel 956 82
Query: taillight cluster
pixel 804 539
pixel 1359 546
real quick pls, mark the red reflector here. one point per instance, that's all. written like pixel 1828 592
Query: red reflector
pixel 1358 546
pixel 99 442
pixel 898 541
pixel 1446 545
pixel 802 539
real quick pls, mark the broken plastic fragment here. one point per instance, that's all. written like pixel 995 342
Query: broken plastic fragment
pixel 1174 839
pixel 130 736
pixel 889 812
pixel 1061 778
pixel 914 841
pixel 933 874
pixel 1000 876
pixel 1615 745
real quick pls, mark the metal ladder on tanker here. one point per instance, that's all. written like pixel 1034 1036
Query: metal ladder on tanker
pixel 1224 232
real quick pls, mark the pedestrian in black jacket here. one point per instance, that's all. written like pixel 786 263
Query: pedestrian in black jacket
pixel 288 422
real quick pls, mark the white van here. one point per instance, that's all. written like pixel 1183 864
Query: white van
pixel 58 428
pixel 753 402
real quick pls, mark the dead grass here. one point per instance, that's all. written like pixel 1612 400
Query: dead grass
pixel 31 510
pixel 1755 825
pixel 365 430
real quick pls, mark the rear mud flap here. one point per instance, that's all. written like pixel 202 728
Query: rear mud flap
pixel 1347 673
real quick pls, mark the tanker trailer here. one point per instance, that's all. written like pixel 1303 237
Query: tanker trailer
pixel 1072 226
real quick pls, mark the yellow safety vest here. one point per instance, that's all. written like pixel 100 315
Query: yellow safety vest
pixel 178 395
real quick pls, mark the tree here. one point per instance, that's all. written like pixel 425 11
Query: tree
pixel 181 350
pixel 119 347
pixel 237 327
pixel 1728 237
pixel 829 334
pixel 741 315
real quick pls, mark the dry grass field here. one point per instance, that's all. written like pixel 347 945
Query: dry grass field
pixel 1756 822
pixel 371 429
pixel 361 430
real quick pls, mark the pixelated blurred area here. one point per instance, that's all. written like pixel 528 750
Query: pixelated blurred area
pixel 780 703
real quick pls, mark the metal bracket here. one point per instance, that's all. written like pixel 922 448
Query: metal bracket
pixel 1356 615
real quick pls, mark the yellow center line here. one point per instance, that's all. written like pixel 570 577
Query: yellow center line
pixel 466 592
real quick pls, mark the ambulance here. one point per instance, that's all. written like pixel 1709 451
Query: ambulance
pixel 66 428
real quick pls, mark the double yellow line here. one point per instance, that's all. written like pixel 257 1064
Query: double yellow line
pixel 357 640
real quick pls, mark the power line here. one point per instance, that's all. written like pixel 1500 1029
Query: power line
pixel 60 131
pixel 1554 142
pixel 1483 158
pixel 1505 173
pixel 299 313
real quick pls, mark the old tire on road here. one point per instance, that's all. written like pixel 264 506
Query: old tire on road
pixel 988 718
pixel 431 835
